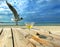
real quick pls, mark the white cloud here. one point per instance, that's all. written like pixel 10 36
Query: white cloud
pixel 3 4
pixel 39 1
pixel 48 0
pixel 19 5
pixel 3 9
pixel 31 12
pixel 1 17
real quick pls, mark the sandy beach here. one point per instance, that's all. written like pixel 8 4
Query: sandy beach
pixel 20 36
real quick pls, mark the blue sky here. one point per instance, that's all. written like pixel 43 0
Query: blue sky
pixel 32 10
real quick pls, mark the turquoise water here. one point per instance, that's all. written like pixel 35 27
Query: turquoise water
pixel 48 24
pixel 35 24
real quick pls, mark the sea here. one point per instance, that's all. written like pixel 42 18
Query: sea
pixel 23 24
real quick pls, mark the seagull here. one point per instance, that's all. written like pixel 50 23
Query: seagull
pixel 16 15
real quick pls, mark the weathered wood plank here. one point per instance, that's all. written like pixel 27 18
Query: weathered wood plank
pixel 6 40
pixel 1 30
pixel 21 41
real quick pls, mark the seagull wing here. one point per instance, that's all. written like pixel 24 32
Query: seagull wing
pixel 13 10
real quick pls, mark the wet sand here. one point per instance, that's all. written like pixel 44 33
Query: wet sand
pixel 22 37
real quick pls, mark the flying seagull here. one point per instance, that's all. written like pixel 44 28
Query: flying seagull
pixel 16 16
